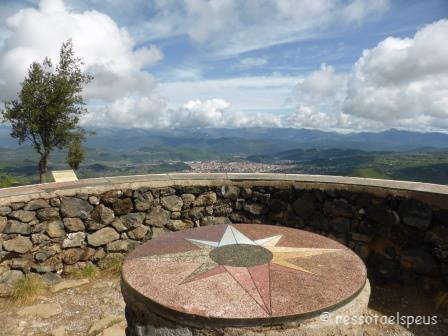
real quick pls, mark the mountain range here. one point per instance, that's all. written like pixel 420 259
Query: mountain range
pixel 249 141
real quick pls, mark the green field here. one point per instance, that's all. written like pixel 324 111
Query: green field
pixel 19 166
pixel 431 166
pixel 370 173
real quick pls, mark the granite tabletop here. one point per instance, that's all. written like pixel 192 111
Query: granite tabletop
pixel 244 272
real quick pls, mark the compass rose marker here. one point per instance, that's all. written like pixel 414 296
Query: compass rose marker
pixel 270 241
pixel 245 260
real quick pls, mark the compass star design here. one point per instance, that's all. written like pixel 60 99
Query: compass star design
pixel 247 261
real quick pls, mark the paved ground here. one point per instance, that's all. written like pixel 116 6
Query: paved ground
pixel 98 307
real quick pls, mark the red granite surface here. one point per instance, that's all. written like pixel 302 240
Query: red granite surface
pixel 307 273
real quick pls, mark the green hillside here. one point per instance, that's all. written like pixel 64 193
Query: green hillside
pixel 19 166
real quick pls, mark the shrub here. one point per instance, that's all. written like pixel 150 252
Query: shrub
pixel 27 288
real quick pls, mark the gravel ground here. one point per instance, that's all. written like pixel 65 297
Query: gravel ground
pixel 99 305
pixel 81 307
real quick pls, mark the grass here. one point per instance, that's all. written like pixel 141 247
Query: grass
pixel 113 264
pixel 88 271
pixel 370 173
pixel 27 288
pixel 8 181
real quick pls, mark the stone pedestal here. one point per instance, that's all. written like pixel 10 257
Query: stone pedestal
pixel 244 279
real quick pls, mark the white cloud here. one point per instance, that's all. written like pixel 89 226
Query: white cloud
pixel 245 93
pixel 308 117
pixel 357 10
pixel 123 93
pixel 197 113
pixel 143 112
pixel 130 112
pixel 403 82
pixel 185 73
pixel 319 96
pixel 216 113
pixel 107 50
pixel 321 86
pixel 400 83
pixel 232 27
pixel 252 62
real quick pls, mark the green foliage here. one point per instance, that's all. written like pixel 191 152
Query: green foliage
pixel 113 263
pixel 75 154
pixel 49 105
pixel 369 172
pixel 27 288
pixel 7 181
pixel 88 271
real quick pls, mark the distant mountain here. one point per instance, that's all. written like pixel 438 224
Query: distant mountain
pixel 307 155
pixel 251 141
pixel 392 154
pixel 246 141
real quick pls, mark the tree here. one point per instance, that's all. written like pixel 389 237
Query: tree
pixel 75 154
pixel 7 181
pixel 49 105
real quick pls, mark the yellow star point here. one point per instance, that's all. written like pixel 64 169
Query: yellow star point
pixel 281 255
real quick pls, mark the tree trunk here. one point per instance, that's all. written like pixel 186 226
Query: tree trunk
pixel 43 162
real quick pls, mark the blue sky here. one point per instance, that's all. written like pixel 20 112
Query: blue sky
pixel 340 65
pixel 340 48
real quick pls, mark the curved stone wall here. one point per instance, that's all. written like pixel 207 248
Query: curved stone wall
pixel 400 229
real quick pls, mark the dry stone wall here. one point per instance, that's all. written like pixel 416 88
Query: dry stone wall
pixel 400 239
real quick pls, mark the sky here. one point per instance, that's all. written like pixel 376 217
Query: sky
pixel 341 65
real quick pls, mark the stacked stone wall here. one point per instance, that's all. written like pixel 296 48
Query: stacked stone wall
pixel 400 239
